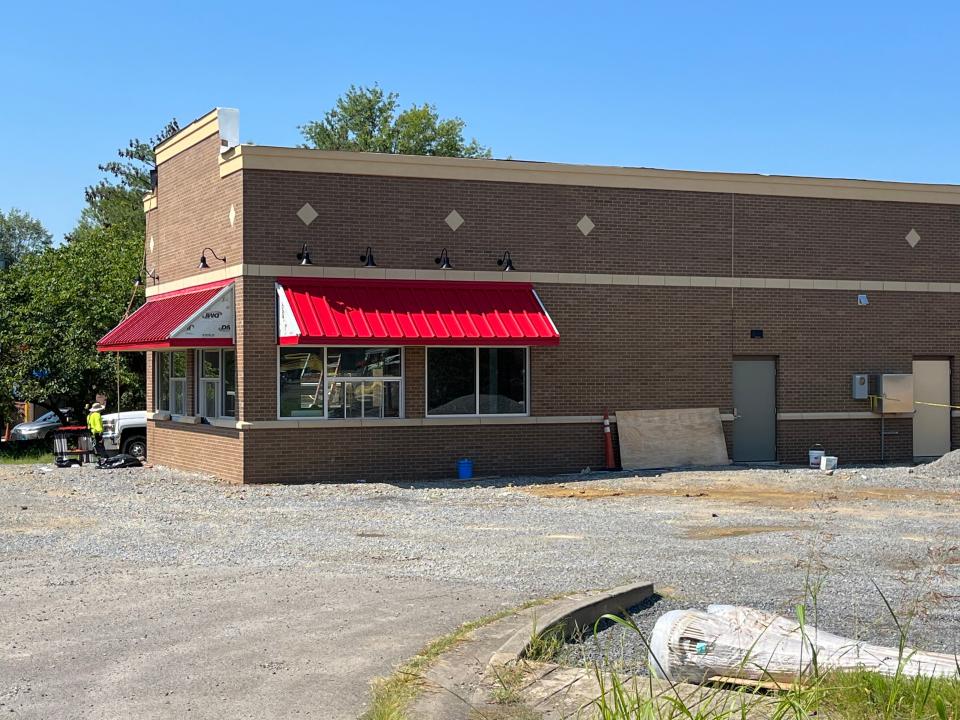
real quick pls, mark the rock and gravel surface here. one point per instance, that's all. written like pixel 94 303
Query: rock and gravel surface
pixel 158 593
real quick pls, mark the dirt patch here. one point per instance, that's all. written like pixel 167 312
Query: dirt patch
pixel 749 494
pixel 706 533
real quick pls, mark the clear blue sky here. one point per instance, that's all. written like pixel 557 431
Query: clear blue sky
pixel 848 89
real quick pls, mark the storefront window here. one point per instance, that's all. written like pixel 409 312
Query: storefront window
pixel 216 383
pixel 476 381
pixel 170 387
pixel 358 383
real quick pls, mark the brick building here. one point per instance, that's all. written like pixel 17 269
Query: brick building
pixel 631 289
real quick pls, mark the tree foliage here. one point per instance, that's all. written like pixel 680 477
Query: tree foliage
pixel 55 304
pixel 365 119
pixel 20 233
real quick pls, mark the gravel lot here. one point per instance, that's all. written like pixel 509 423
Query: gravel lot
pixel 156 593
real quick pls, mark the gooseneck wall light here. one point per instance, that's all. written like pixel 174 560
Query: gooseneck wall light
pixel 138 280
pixel 304 256
pixel 367 258
pixel 444 260
pixel 203 259
pixel 506 262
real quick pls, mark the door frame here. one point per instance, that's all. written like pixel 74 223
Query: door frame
pixel 948 359
pixel 776 405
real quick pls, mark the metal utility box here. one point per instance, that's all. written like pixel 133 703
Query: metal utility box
pixel 860 387
pixel 895 394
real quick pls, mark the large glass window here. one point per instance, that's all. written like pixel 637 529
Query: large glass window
pixel 340 382
pixel 217 383
pixel 476 381
pixel 170 388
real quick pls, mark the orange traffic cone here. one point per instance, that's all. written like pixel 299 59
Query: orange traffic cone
pixel 608 442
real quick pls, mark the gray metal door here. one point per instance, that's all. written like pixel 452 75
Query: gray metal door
pixel 931 416
pixel 755 410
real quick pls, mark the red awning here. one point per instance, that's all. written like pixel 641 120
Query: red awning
pixel 411 312
pixel 200 316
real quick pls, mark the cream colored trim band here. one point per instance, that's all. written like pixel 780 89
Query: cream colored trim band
pixel 149 202
pixel 698 281
pixel 490 420
pixel 261 157
pixel 197 131
pixel 400 422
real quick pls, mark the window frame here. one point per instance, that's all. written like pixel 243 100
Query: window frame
pixel 172 382
pixel 201 382
pixel 327 380
pixel 476 381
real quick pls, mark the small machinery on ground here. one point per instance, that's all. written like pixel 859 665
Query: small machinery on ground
pixel 72 444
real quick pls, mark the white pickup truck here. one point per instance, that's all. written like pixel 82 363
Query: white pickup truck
pixel 126 432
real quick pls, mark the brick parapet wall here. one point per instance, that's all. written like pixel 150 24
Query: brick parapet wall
pixel 193 209
pixel 656 232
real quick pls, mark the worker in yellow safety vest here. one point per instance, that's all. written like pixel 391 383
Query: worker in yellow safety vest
pixel 95 425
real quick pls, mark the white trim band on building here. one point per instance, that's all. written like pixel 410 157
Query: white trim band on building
pixel 294 424
pixel 694 281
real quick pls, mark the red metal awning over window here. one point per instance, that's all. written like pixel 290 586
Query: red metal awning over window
pixel 411 312
pixel 200 316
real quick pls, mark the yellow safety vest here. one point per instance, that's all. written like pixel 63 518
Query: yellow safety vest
pixel 94 423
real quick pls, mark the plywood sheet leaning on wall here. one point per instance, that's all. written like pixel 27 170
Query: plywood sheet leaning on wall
pixel 668 438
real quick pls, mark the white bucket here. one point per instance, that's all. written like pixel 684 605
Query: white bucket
pixel 816 452
pixel 828 462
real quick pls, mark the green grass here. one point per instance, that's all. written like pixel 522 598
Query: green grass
pixel 28 457
pixel 835 695
pixel 392 695
pixel 546 645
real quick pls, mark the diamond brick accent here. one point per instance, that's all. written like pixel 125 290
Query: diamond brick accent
pixel 585 225
pixel 307 214
pixel 913 237
pixel 232 215
pixel 454 220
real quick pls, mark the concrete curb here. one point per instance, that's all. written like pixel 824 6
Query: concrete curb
pixel 570 614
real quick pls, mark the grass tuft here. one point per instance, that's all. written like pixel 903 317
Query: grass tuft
pixel 391 696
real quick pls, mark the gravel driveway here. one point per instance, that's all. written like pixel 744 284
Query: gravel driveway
pixel 152 593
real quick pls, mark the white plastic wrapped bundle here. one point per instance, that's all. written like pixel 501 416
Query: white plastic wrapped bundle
pixel 747 644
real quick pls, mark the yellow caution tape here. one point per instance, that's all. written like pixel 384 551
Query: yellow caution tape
pixel 873 398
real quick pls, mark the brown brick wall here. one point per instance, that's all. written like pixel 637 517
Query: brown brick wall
pixel 412 453
pixel 403 219
pixel 844 239
pixel 256 349
pixel 203 448
pixel 852 441
pixel 637 231
pixel 193 205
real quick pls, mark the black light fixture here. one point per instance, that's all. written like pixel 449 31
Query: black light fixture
pixel 506 262
pixel 304 256
pixel 367 258
pixel 444 260
pixel 203 259
pixel 138 280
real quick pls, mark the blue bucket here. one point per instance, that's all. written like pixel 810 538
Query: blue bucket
pixel 464 469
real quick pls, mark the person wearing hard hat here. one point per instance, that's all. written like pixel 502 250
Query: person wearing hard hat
pixel 95 425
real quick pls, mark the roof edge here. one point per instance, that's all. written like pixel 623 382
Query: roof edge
pixel 194 133
pixel 264 157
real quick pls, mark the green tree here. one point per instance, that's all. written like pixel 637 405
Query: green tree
pixel 56 304
pixel 20 233
pixel 365 119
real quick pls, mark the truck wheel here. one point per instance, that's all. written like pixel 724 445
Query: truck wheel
pixel 136 446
